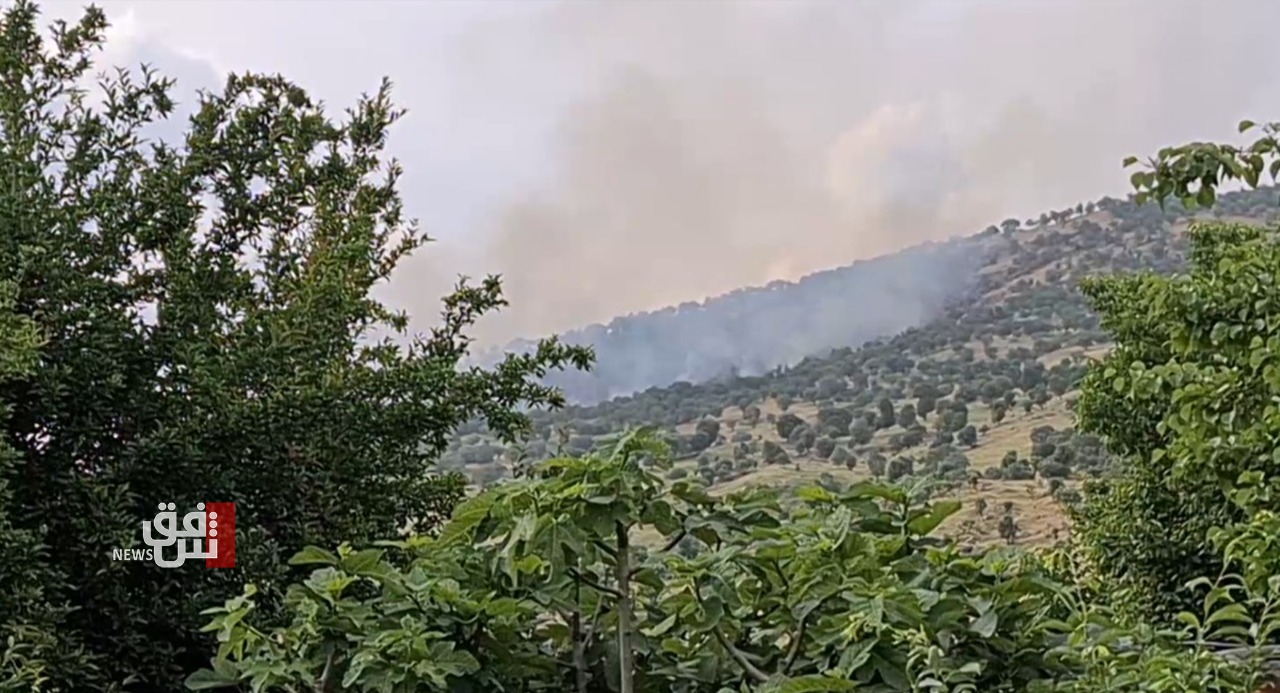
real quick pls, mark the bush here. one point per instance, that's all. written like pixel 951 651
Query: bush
pixel 1019 471
pixel 787 424
pixel 774 454
pixel 1054 470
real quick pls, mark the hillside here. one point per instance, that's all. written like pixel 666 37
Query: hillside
pixel 978 397
pixel 752 330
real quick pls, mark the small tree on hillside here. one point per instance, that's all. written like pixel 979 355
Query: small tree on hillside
pixel 885 417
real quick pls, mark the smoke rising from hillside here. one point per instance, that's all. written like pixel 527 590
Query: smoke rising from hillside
pixel 714 145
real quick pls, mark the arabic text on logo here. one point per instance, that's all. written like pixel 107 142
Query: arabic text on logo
pixel 209 533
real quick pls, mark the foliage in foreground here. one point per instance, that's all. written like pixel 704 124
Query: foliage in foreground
pixel 1190 397
pixel 540 584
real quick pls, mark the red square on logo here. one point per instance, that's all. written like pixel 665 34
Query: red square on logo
pixel 221 525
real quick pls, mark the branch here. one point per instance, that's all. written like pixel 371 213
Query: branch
pixel 777 567
pixel 669 545
pixel 797 646
pixel 573 572
pixel 609 550
pixel 326 676
pixel 738 655
pixel 675 540
pixel 752 670
pixel 590 633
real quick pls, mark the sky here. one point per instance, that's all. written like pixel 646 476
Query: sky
pixel 613 156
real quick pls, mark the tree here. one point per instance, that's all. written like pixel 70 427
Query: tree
pixel 774 454
pixel 803 438
pixel 708 429
pixel 860 432
pixel 954 418
pixel 174 369
pixel 907 415
pixel 1008 529
pixel 1054 470
pixel 925 406
pixel 32 621
pixel 998 411
pixel 885 417
pixel 787 424
pixel 900 467
pixel 1183 398
pixel 834 421
pixel 876 464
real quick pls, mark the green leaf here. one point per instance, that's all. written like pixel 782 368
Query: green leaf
pixel 466 517
pixel 893 494
pixel 814 683
pixel 207 679
pixel 815 494
pixel 313 555
pixel 363 563
pixel 661 627
pixel 1206 196
pixel 1246 125
pixel 937 514
pixel 986 624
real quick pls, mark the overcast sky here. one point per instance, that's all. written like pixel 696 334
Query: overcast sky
pixel 613 156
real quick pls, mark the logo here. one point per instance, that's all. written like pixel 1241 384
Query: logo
pixel 209 533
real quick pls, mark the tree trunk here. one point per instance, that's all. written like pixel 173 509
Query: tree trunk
pixel 625 667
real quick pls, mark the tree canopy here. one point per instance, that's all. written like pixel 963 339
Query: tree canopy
pixel 206 333
pixel 194 321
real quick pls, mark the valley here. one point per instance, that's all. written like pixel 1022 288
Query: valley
pixel 980 395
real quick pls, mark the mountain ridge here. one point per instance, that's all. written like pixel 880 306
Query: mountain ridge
pixel 979 397
pixel 755 329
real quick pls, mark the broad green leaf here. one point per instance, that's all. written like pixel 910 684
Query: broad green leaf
pixel 466 517
pixel 938 512
pixel 364 563
pixel 986 623
pixel 661 627
pixel 313 555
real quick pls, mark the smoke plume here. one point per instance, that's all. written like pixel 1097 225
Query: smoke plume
pixel 715 145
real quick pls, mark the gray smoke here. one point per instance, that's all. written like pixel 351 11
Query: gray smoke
pixel 715 145
pixel 693 148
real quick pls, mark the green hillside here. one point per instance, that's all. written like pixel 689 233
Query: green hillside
pixel 980 398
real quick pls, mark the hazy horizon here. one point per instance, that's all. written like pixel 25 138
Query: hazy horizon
pixel 609 158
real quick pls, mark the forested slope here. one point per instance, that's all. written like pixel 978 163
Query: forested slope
pixel 979 396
